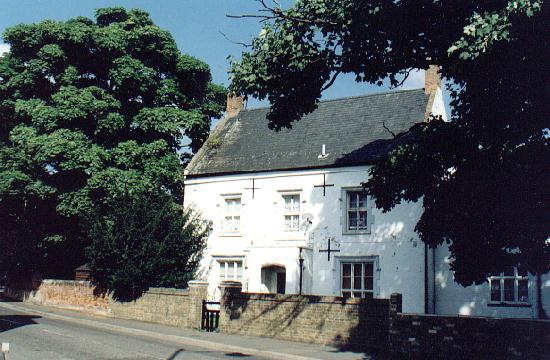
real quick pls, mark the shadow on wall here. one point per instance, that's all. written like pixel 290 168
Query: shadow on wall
pixel 283 309
pixel 359 325
pixel 370 331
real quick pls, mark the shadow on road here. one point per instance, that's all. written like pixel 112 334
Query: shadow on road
pixel 237 354
pixel 176 353
pixel 10 322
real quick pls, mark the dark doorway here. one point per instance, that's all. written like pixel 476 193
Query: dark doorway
pixel 274 279
pixel 281 282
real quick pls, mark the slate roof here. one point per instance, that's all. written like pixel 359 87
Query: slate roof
pixel 353 130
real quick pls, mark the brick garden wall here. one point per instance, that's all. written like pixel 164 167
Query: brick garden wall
pixel 459 337
pixel 306 318
pixel 174 307
pixel 374 323
pixel 78 295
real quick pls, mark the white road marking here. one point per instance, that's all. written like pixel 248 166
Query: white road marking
pixel 57 333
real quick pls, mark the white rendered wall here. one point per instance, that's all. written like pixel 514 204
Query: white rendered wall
pixel 262 242
pixel 452 298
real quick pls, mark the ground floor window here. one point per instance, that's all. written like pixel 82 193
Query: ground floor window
pixel 357 279
pixel 511 286
pixel 231 270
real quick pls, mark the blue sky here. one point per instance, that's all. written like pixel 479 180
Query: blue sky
pixel 195 24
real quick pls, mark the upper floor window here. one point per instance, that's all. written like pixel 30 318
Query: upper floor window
pixel 510 286
pixel 232 221
pixel 292 212
pixel 356 214
pixel 357 279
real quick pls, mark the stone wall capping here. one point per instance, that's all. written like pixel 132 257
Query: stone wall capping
pixel 197 283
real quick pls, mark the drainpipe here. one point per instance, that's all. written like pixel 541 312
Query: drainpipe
pixel 301 259
pixel 434 284
pixel 426 278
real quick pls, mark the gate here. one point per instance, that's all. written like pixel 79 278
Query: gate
pixel 210 319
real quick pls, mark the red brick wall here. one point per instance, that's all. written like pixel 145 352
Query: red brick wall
pixel 176 307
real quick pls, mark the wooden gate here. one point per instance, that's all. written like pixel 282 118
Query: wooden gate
pixel 210 319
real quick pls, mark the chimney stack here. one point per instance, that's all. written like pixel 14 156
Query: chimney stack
pixel 431 87
pixel 432 79
pixel 234 105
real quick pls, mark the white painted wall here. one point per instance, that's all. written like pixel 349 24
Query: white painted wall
pixel 262 241
pixel 392 242
pixel 452 298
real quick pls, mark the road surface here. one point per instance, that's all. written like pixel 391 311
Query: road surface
pixel 44 338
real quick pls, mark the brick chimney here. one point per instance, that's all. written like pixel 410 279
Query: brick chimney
pixel 432 84
pixel 234 105
pixel 432 79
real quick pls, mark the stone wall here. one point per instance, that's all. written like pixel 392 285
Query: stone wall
pixel 306 318
pixel 174 307
pixel 460 337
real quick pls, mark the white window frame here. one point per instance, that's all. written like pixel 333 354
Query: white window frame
pixel 351 289
pixel 516 277
pixel 292 213
pixel 337 268
pixel 230 266
pixel 345 212
pixel 227 213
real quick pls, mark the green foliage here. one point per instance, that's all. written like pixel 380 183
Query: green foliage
pixel 90 111
pixel 142 240
pixel 483 177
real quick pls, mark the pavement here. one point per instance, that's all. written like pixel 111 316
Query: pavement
pixel 47 333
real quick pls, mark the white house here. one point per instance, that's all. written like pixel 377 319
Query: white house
pixel 289 214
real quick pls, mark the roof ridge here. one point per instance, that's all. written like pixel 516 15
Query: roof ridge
pixel 389 92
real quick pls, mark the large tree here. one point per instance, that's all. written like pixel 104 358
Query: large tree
pixel 484 176
pixel 141 240
pixel 91 111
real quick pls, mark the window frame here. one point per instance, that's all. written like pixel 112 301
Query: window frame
pixel 233 215
pixel 226 267
pixel 346 209
pixel 516 277
pixel 363 290
pixel 292 213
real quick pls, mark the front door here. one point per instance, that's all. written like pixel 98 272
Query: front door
pixel 281 282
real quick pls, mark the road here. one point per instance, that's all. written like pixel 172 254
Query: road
pixel 43 338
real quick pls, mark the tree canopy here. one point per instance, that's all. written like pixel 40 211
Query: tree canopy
pixel 483 177
pixel 91 111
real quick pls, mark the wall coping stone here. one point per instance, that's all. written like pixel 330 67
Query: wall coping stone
pixel 65 282
pixel 167 291
pixel 198 283
pixel 310 298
